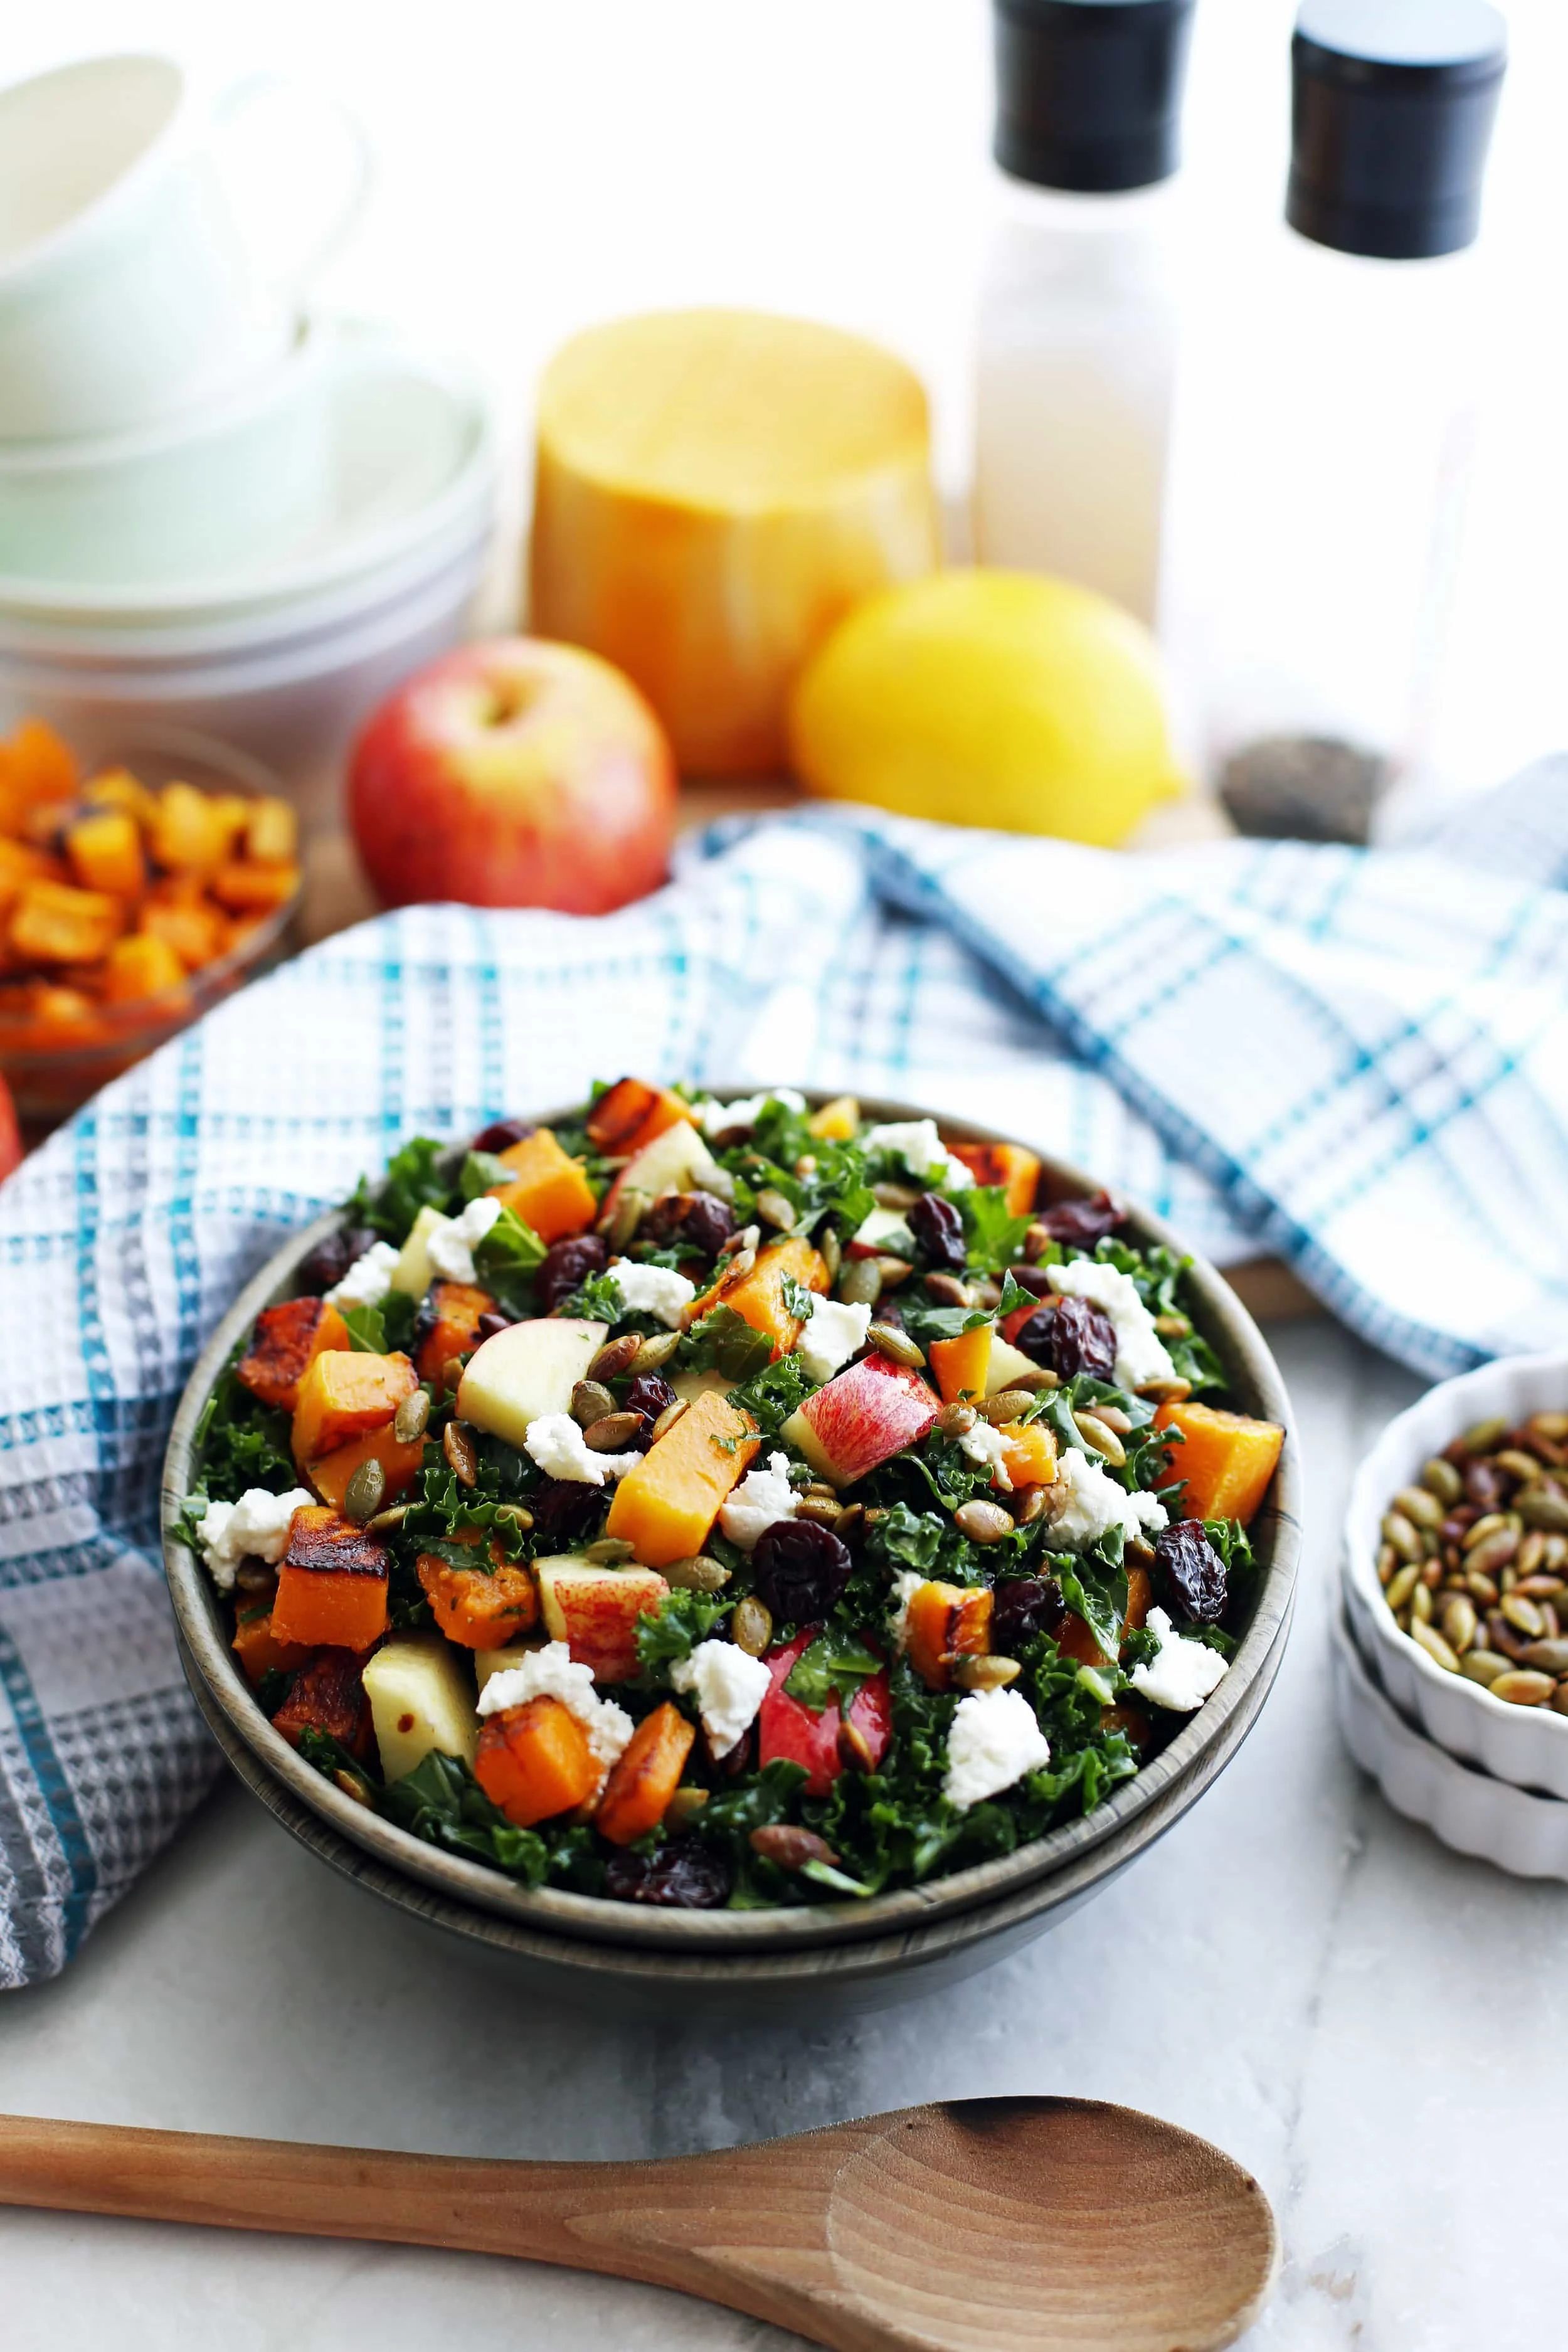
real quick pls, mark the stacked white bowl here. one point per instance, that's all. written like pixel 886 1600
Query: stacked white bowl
pixel 218 514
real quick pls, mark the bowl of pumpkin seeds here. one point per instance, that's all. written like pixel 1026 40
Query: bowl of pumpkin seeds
pixel 1455 1567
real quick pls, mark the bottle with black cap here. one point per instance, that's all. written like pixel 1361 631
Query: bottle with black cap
pixel 1077 325
pixel 1335 499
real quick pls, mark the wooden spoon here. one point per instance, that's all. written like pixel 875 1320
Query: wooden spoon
pixel 987 2225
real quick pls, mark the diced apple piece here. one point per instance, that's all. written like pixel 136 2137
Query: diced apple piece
pixel 499 1661
pixel 525 1371
pixel 884 1230
pixel 595 1612
pixel 414 1272
pixel 678 1160
pixel 690 1386
pixel 864 1416
pixel 419 1700
pixel 1009 1366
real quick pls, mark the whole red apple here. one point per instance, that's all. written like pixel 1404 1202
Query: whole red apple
pixel 10 1134
pixel 516 773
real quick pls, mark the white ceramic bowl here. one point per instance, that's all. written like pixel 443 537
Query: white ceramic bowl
pixel 1468 1810
pixel 1526 1745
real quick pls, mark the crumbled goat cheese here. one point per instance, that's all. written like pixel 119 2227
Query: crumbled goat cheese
pixel 1084 1502
pixel 983 1443
pixel 729 1685
pixel 256 1527
pixel 552 1673
pixel 906 1584
pixel 368 1280
pixel 556 1443
pixel 716 1117
pixel 1183 1675
pixel 994 1741
pixel 451 1243
pixel 1141 1353
pixel 656 1290
pixel 917 1144
pixel 762 1499
pixel 835 1332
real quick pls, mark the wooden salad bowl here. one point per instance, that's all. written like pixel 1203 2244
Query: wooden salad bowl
pixel 1004 1895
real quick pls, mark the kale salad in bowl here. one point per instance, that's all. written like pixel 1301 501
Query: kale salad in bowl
pixel 760 1512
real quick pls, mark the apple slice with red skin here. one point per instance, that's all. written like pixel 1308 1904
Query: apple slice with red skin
pixel 864 1416
pixel 595 1612
pixel 787 1727
pixel 676 1161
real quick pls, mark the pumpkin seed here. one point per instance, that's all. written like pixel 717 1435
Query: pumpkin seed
pixel 1398 1532
pixel 615 1356
pixel 1387 1562
pixel 1522 1467
pixel 860 1283
pixel 1531 1553
pixel 1031 1506
pixel 890 1340
pixel 774 1210
pixel 789 1847
pixel 1436 1649
pixel 620 1222
pixel 1165 1391
pixel 1038 1376
pixel 1482 1435
pixel 384 1521
pixel 1459 1622
pixel 591 1400
pixel 512 1514
pixel 1541 1588
pixel 361 1496
pixel 986 1674
pixel 685 1807
pixel 1443 1480
pixel 1401 1586
pixel 1423 1510
pixel 609 1552
pixel 1552 1426
pixel 893 1270
pixel 1483 1665
pixel 1114 1418
pixel 956 1420
pixel 1549 1656
pixel 1173 1326
pixel 751 1626
pixel 612 1433
pixel 982 1523
pixel 1522 1615
pixel 1421 1603
pixel 1007 1405
pixel 1495 1553
pixel 461 1460
pixel 1544 1506
pixel 668 1418
pixel 1522 1687
pixel 353 1786
pixel 820 1510
pixel 947 1291
pixel 699 1574
pixel 894 1196
pixel 1481 1588
pixel 748 1237
pixel 408 1422
pixel 1489 1524
pixel 830 1249
pixel 740 1264
pixel 849 1517
pixel 1104 1441
pixel 1036 1241
pixel 854 1749
pixel 652 1353
pixel 986 1294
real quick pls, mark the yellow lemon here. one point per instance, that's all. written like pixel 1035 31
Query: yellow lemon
pixel 995 698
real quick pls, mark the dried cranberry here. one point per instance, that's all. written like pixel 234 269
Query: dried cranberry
pixel 1023 1606
pixel 329 1260
pixel 800 1570
pixel 1034 1279
pixel 1189 1572
pixel 649 1394
pixel 1072 1336
pixel 1080 1224
pixel 564 1266
pixel 563 1509
pixel 688 1220
pixel 938 1228
pixel 489 1325
pixel 685 1875
pixel 501 1134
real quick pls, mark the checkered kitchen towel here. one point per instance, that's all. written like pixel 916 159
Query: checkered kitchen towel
pixel 1358 1061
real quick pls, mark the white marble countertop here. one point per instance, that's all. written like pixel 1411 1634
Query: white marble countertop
pixel 1359 2017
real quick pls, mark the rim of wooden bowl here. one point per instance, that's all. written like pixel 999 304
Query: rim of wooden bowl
pixel 1255 1386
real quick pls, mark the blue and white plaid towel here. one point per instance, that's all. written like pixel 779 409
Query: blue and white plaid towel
pixel 1358 1061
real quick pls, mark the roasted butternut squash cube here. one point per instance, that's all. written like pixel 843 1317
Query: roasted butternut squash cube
pixel 837 1121
pixel 53 922
pixel 36 765
pixel 1031 1459
pixel 944 1623
pixel 195 930
pixel 329 1473
pixel 645 1776
pixel 331 1587
pixel 757 1295
pixel 105 853
pixel 140 968
pixel 480 1608
pixel 630 1114
pixel 287 1341
pixel 961 1363
pixel 255 1645
pixel 328 1695
pixel 116 787
pixel 535 1761
pixel 342 1393
pixel 449 1327
pixel 1225 1459
pixel 246 887
pixel 1074 1639
pixel 190 832
pixel 667 1506
pixel 19 865
pixel 1007 1167
pixel 271 832
pixel 548 1188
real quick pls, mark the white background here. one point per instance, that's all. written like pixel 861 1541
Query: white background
pixel 544 163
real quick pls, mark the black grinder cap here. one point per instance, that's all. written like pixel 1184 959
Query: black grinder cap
pixel 1394 102
pixel 1088 92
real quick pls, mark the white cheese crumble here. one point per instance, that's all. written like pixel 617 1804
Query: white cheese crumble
pixel 368 1280
pixel 552 1673
pixel 906 1584
pixel 1141 1353
pixel 451 1243
pixel 716 1117
pixel 762 1498
pixel 836 1331
pixel 256 1527
pixel 994 1741
pixel 656 1290
pixel 916 1143
pixel 1085 1501
pixel 729 1685
pixel 1183 1674
pixel 555 1442
pixel 983 1443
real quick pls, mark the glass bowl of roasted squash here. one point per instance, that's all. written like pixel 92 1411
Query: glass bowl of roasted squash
pixel 134 895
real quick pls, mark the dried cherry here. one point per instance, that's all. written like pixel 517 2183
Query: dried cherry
pixel 563 1509
pixel 1080 1224
pixel 649 1394
pixel 938 1227
pixel 329 1260
pixel 1023 1606
pixel 800 1570
pixel 696 1222
pixel 1189 1572
pixel 490 1324
pixel 1070 1337
pixel 501 1134
pixel 564 1266
pixel 685 1875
